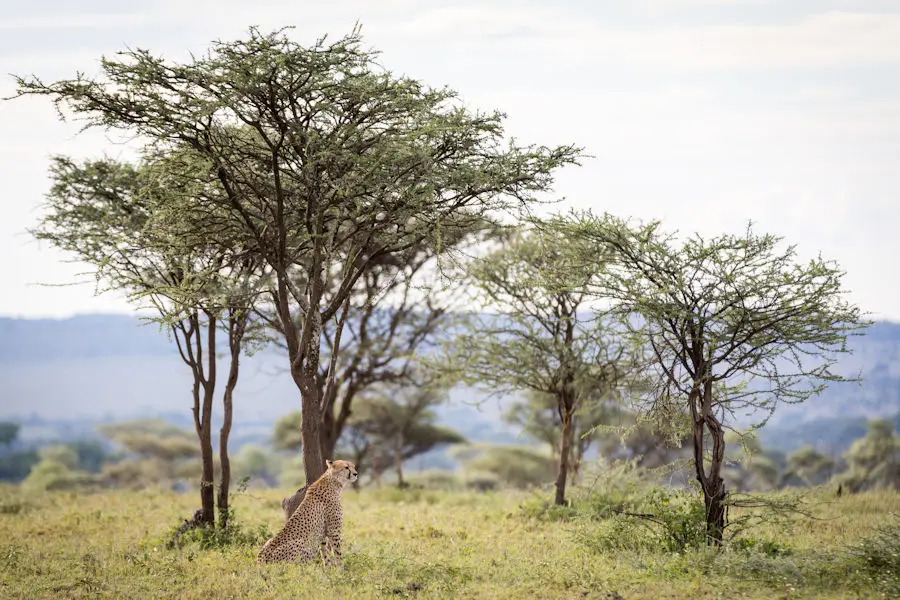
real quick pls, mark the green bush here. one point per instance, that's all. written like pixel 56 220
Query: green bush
pixel 50 475
pixel 769 548
pixel 435 479
pixel 216 538
pixel 879 556
pixel 662 520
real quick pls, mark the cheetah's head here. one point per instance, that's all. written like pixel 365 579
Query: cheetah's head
pixel 342 470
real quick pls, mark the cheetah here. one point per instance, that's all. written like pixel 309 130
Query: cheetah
pixel 318 520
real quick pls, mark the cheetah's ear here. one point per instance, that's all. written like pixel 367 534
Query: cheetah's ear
pixel 328 463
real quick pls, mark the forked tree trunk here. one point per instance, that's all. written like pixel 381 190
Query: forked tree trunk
pixel 710 481
pixel 203 387
pixel 564 451
pixel 303 353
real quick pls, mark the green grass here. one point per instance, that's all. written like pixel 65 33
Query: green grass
pixel 423 544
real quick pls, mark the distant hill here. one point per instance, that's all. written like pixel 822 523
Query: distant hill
pixel 102 367
pixel 98 368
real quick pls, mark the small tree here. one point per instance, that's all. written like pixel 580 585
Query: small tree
pixel 286 435
pixel 399 425
pixel 124 220
pixel 733 323
pixel 808 466
pixel 749 466
pixel 538 416
pixel 9 432
pixel 874 460
pixel 515 466
pixel 540 336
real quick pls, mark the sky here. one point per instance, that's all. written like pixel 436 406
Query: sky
pixel 701 113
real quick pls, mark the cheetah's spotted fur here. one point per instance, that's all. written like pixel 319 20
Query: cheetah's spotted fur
pixel 316 523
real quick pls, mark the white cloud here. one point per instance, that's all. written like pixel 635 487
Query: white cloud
pixel 71 21
pixel 666 6
pixel 834 39
pixel 819 41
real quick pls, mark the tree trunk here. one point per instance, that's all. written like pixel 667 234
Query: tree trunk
pixel 236 325
pixel 714 490
pixel 327 434
pixel 398 461
pixel 205 382
pixel 313 461
pixel 208 481
pixel 710 482
pixel 303 353
pixel 564 450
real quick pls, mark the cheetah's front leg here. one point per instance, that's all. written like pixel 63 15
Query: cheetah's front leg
pixel 332 542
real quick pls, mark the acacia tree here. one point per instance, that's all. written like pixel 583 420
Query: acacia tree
pixel 9 431
pixel 538 416
pixel 118 218
pixel 399 424
pixel 532 332
pixel 327 164
pixel 874 460
pixel 808 466
pixel 733 322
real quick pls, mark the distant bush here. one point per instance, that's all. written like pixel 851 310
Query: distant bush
pixel 49 475
pixel 520 467
pixel 15 466
pixel 482 482
pixel 59 453
pixel 436 479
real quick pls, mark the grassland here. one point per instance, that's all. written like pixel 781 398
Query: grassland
pixel 424 544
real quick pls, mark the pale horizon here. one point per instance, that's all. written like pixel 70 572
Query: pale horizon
pixel 704 114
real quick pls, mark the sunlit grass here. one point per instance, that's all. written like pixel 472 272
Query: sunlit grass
pixel 414 544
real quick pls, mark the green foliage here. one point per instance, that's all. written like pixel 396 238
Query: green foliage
pixel 287 432
pixel 91 455
pixel 731 323
pixel 768 547
pixel 538 416
pixel 61 454
pixel 50 474
pixel 749 466
pixel 152 439
pixel 59 468
pixel 237 534
pixel 809 467
pixel 513 466
pixel 874 461
pixel 256 464
pixel 15 466
pixel 662 521
pixel 879 555
pixel 291 474
pixel 437 479
pixel 398 423
pixel 9 432
pixel 155 452
pixel 529 331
